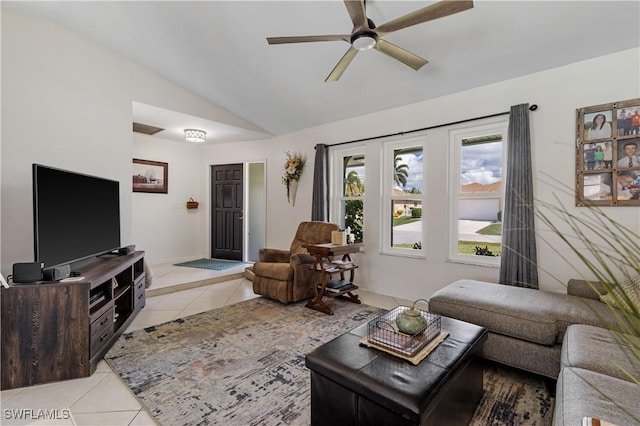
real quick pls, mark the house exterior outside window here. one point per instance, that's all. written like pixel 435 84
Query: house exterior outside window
pixel 403 186
pixel 476 195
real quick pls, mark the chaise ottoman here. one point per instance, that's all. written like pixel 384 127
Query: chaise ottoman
pixel 352 384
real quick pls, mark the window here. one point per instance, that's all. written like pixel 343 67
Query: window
pixel 348 185
pixel 403 188
pixel 476 195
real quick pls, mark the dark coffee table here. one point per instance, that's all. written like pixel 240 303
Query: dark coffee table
pixel 352 384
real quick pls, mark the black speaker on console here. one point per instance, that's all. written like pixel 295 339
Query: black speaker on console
pixel 29 272
pixel 126 250
pixel 57 273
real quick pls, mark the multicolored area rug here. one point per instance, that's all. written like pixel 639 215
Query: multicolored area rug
pixel 513 397
pixel 244 365
pixel 215 264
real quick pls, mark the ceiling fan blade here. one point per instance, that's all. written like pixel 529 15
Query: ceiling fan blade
pixel 342 65
pixel 308 39
pixel 409 59
pixel 357 13
pixel 438 10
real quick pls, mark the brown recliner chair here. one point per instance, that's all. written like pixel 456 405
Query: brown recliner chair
pixel 285 275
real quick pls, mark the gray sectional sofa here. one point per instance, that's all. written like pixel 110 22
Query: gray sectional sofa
pixel 564 337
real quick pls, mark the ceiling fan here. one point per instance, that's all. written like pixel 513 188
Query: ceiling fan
pixel 365 35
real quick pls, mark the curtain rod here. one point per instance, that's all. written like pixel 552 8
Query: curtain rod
pixel 531 108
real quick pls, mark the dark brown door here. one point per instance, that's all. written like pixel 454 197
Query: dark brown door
pixel 227 211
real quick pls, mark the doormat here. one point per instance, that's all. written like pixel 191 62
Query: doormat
pixel 214 264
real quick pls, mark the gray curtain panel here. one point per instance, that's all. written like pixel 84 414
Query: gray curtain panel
pixel 518 264
pixel 320 197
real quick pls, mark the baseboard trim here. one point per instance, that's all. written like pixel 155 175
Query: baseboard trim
pixel 151 292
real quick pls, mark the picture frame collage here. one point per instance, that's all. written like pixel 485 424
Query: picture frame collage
pixel 608 154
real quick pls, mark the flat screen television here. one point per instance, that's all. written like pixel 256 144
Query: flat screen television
pixel 75 216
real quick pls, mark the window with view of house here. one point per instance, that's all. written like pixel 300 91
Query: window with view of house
pixel 348 185
pixel 476 195
pixel 403 177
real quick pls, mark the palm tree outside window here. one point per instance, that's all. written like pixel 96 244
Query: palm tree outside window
pixel 352 200
pixel 400 172
pixel 406 197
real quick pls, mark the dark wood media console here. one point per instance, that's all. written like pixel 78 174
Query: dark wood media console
pixel 61 330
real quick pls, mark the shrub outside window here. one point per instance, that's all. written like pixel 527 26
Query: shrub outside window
pixel 404 183
pixel 349 184
pixel 477 193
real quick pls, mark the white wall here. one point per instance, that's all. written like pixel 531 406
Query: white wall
pixel 74 98
pixel 558 93
pixel 255 213
pixel 162 225
pixel 164 228
pixel 66 102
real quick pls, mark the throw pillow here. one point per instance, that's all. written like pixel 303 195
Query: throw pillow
pixel 631 289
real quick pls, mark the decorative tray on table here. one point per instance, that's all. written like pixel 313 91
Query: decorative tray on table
pixel 406 332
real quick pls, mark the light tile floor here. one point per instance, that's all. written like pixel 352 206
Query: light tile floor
pixel 103 399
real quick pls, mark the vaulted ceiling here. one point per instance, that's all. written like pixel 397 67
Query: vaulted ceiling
pixel 218 49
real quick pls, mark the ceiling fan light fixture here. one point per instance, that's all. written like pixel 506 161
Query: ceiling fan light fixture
pixel 195 135
pixel 364 41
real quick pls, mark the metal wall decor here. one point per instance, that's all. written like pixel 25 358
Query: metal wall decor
pixel 608 154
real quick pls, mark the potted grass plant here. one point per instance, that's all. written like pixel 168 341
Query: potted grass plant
pixel 608 258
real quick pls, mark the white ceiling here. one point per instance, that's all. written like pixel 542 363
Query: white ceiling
pixel 218 50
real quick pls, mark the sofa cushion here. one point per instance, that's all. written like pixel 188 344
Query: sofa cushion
pixel 248 273
pixel 516 312
pixel 277 271
pixel 533 315
pixel 273 289
pixel 586 289
pixel 539 359
pixel 577 310
pixel 626 296
pixel 600 350
pixel 583 393
pixel 314 232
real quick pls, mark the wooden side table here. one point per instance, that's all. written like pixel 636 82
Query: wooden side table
pixel 322 252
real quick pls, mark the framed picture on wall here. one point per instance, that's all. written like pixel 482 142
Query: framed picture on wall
pixel 597 125
pixel 608 154
pixel 628 119
pixel 150 176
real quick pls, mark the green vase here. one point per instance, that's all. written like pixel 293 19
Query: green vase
pixel 411 322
